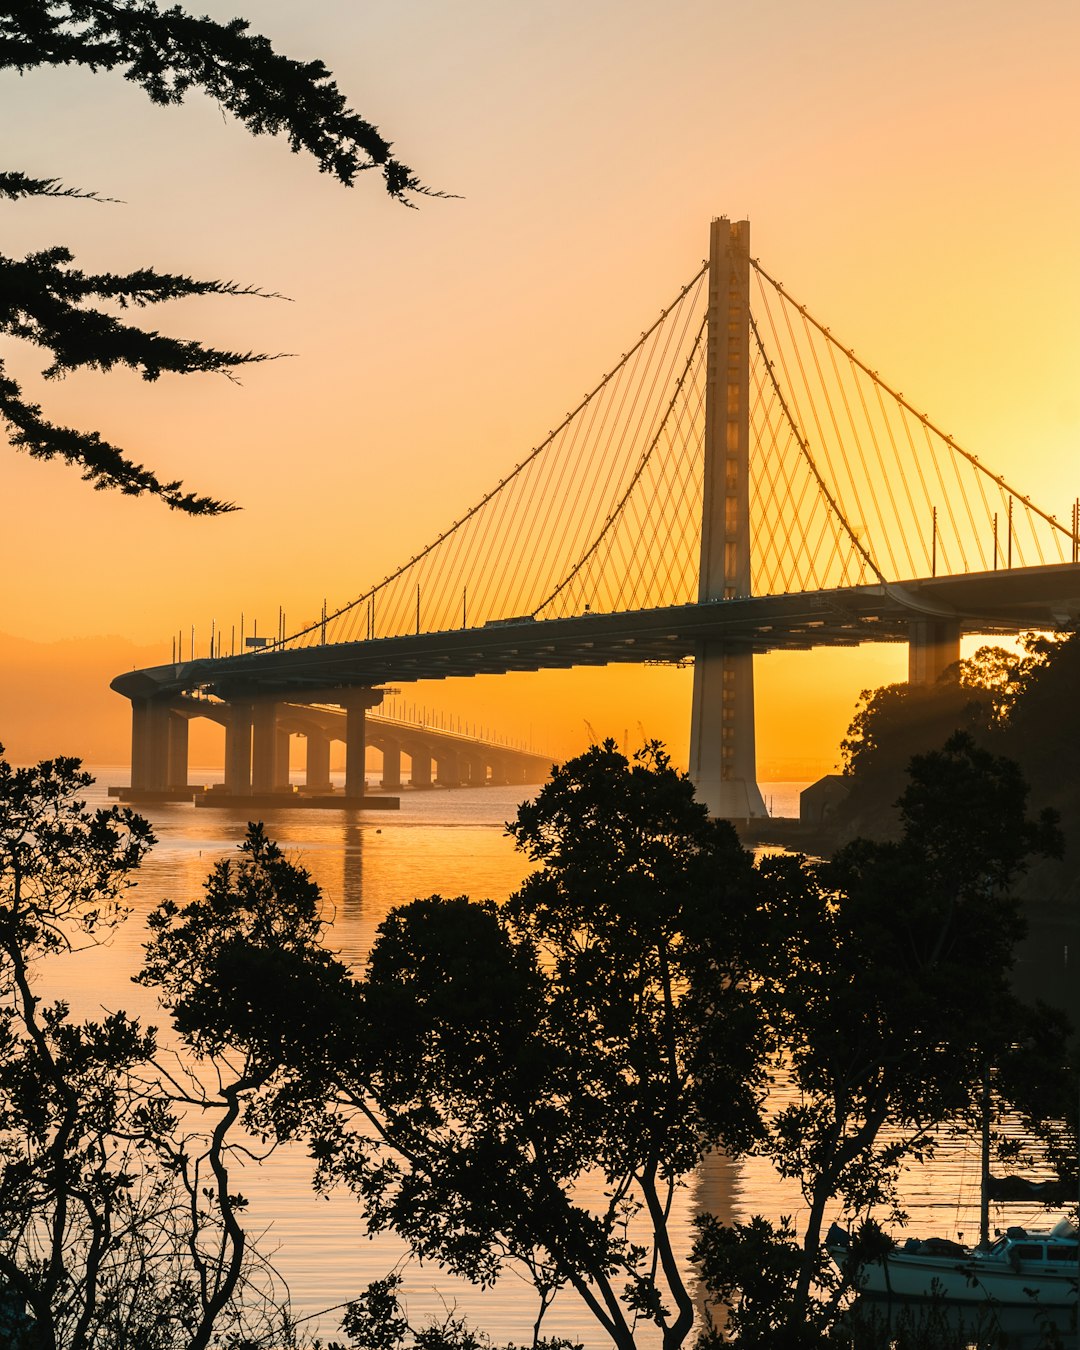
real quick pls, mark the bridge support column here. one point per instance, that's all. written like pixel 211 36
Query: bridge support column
pixel 238 749
pixel 151 724
pixel 722 747
pixel 420 771
pixel 391 765
pixel 178 751
pixel 449 774
pixel 933 646
pixel 722 761
pixel 355 749
pixel 356 703
pixel 317 775
pixel 281 762
pixel 264 748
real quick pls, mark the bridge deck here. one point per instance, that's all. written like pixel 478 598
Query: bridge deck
pixel 1002 602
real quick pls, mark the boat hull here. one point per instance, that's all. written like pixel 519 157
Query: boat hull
pixel 903 1275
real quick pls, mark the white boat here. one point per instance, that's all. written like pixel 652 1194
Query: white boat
pixel 1019 1268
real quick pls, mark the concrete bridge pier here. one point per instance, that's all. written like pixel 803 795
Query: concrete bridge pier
pixel 238 735
pixel 281 761
pixel 472 769
pixel 722 746
pixel 264 746
pixel 151 742
pixel 448 770
pixel 420 772
pixel 933 646
pixel 356 703
pixel 391 765
pixel 317 774
pixel 159 748
pixel 178 751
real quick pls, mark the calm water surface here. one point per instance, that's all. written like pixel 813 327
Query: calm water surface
pixel 448 842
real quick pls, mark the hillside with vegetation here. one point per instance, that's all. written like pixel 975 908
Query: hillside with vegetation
pixel 1022 707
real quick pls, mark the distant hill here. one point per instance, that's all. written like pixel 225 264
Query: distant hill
pixel 55 698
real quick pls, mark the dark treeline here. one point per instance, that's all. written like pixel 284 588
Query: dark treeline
pixel 630 1009
pixel 1024 708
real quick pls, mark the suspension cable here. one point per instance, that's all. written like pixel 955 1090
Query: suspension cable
pixel 534 453
pixel 860 547
pixel 1050 519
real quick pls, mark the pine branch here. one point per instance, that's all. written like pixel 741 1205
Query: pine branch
pixel 103 465
pixel 14 185
pixel 43 300
pixel 168 52
pixel 48 271
pixel 39 302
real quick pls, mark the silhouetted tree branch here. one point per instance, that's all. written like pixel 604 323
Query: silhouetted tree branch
pixel 43 300
pixel 118 1228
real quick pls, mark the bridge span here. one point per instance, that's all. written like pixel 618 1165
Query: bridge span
pixel 324 692
pixel 739 482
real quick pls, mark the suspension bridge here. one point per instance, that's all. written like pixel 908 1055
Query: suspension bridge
pixel 740 481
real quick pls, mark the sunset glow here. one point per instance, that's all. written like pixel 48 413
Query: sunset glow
pixel 908 172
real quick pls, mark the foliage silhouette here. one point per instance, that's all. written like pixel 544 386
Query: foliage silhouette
pixel 48 302
pixel 531 1084
pixel 523 1085
pixel 119 1223
pixel 890 993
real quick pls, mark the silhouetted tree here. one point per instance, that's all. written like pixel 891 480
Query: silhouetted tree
pixel 889 988
pixel 980 695
pixel 891 724
pixel 529 1085
pixel 118 1225
pixel 47 301
pixel 599 1028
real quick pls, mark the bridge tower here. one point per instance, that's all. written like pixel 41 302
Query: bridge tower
pixel 722 752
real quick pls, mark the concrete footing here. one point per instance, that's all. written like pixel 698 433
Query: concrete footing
pixel 297 801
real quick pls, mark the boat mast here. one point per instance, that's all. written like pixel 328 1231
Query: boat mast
pixel 984 1178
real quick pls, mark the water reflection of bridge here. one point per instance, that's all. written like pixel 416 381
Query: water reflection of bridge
pixel 435 756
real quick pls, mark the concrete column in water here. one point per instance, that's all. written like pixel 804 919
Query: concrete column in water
pixel 238 748
pixel 140 744
pixel 391 764
pixel 281 761
pixel 723 760
pixel 178 750
pixel 472 769
pixel 449 772
pixel 420 766
pixel 150 728
pixel 356 703
pixel 933 646
pixel 317 774
pixel 264 746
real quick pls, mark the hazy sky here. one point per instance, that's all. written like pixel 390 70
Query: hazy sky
pixel 909 170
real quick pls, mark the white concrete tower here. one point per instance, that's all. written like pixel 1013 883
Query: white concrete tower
pixel 722 753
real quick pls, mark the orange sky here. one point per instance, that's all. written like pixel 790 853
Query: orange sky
pixel 909 171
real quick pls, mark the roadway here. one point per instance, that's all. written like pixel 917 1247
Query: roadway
pixel 990 603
